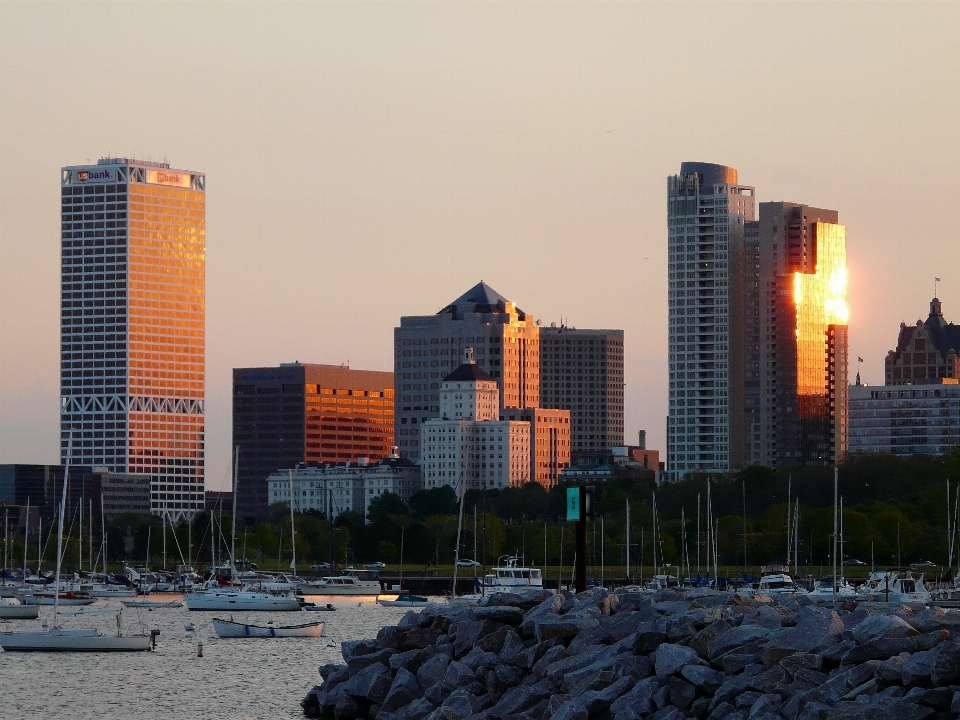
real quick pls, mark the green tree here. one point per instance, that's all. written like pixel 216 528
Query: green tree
pixel 386 550
pixel 435 501
pixel 386 504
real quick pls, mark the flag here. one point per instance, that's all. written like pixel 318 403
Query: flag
pixel 859 359
pixel 937 279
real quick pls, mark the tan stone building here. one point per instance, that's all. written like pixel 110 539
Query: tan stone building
pixel 550 440
pixel 925 351
pixel 506 345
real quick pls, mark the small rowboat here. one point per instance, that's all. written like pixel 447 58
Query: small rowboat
pixel 48 598
pixel 151 604
pixel 230 629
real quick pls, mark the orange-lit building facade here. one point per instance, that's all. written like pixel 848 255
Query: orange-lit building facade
pixel 132 325
pixel 302 413
pixel 803 413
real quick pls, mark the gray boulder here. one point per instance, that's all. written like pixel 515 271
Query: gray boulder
pixel 669 659
pixel 505 614
pixel 433 671
pixel 462 703
pixel 735 638
pixel 562 627
pixel 682 693
pixel 649 636
pixel 705 679
pixel 946 668
pixel 548 606
pixel 882 627
pixel 404 690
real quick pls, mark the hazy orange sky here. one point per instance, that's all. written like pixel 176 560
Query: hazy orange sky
pixel 367 160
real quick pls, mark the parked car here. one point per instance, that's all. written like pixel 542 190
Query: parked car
pixel 853 561
pixel 375 566
pixel 467 563
pixel 320 566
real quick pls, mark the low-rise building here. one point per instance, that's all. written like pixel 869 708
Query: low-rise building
pixel 121 493
pixel 549 442
pixel 335 489
pixel 905 420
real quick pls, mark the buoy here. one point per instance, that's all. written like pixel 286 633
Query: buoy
pixel 199 649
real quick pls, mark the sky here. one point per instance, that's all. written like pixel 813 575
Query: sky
pixel 370 160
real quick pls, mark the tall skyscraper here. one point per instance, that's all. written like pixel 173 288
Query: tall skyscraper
pixel 132 325
pixel 427 348
pixel 803 413
pixel 302 413
pixel 706 215
pixel 582 371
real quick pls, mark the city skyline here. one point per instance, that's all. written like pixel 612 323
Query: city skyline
pixel 367 162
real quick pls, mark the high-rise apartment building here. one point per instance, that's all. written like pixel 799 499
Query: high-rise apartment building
pixel 301 413
pixel 427 348
pixel 802 417
pixel 132 325
pixel 707 211
pixel 921 418
pixel 582 371
pixel 549 442
pixel 925 351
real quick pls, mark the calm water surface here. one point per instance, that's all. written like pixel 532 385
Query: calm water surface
pixel 238 679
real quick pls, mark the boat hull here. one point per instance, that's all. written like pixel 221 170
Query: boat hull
pixel 45 600
pixel 234 602
pixel 150 604
pixel 19 612
pixel 228 629
pixel 109 592
pixel 71 641
pixel 359 589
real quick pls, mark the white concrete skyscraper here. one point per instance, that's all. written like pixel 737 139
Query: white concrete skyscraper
pixel 706 213
pixel 132 325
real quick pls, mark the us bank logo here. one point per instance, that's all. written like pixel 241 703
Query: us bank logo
pixel 87 175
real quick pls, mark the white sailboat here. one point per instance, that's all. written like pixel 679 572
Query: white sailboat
pixel 231 629
pixel 247 598
pixel 61 639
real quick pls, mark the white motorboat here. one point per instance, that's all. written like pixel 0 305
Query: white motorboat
pixel 236 600
pixel 510 576
pixel 15 610
pixel 231 629
pixel 350 582
pixel 775 581
pixel 825 589
pixel 112 591
pixel 891 586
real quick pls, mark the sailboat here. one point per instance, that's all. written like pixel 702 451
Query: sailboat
pixel 246 598
pixel 61 639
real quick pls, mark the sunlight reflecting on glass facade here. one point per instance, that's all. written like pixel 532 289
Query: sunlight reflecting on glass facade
pixel 804 379
pixel 132 324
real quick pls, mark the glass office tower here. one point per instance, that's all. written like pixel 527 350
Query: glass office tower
pixel 803 273
pixel 132 325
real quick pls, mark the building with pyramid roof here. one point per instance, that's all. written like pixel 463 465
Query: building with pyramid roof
pixel 427 348
pixel 469 447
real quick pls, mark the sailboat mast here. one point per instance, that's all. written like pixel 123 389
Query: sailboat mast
pixel 233 520
pixel 293 529
pixel 63 508
pixel 26 528
pixel 90 534
pixel 835 481
pixel 456 554
pixel 628 539
pixel 103 531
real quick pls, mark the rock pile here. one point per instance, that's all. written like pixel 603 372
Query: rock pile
pixel 664 656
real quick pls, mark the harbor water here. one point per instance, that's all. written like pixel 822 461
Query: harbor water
pixel 237 678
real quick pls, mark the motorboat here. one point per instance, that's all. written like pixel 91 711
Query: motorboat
pixel 892 586
pixel 404 600
pixel 112 591
pixel 508 575
pixel 775 581
pixel 11 609
pixel 231 629
pixel 313 607
pixel 825 588
pixel 351 582
pixel 244 599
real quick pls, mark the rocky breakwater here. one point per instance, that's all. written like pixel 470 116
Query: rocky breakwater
pixel 664 656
